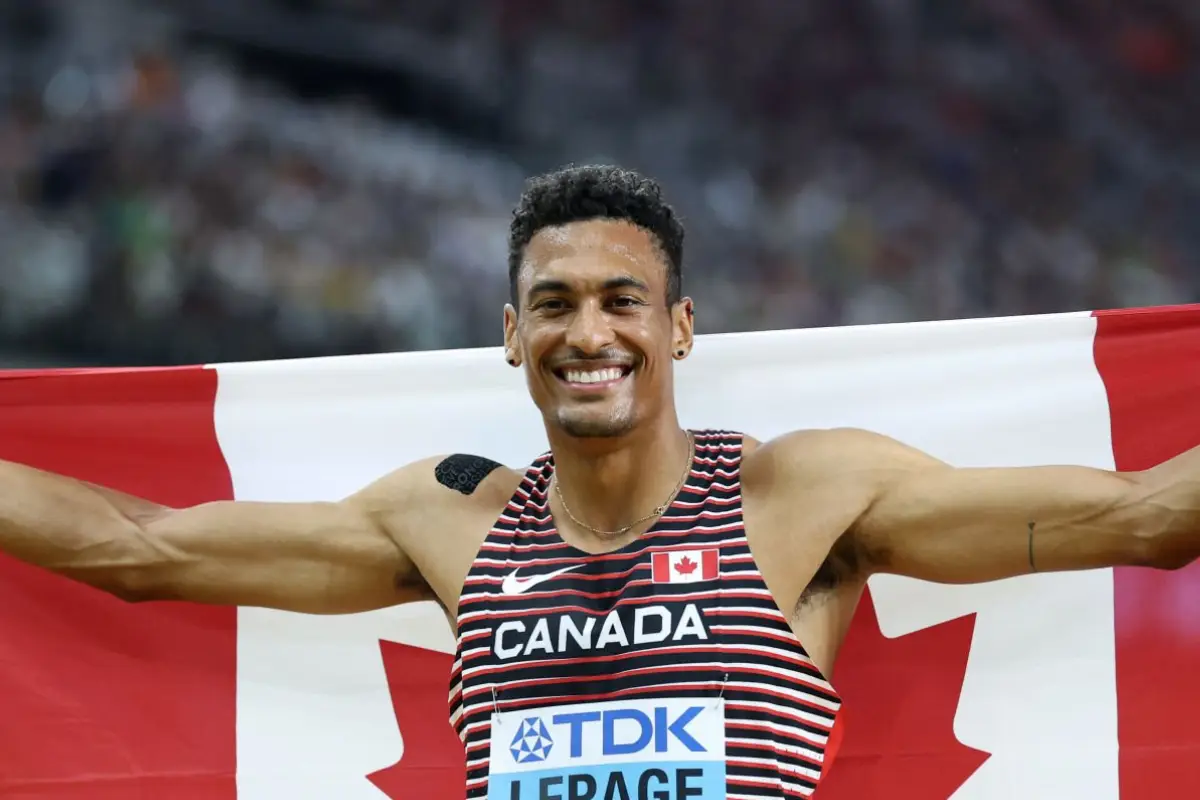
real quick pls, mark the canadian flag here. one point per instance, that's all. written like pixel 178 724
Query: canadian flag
pixel 1044 687
pixel 685 566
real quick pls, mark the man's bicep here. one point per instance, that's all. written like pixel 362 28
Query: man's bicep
pixel 970 525
pixel 320 558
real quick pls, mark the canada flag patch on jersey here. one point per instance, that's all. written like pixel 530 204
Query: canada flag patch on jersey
pixel 685 566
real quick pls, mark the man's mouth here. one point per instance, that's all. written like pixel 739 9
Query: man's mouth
pixel 591 378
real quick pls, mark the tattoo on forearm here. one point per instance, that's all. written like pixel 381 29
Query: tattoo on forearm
pixel 1032 565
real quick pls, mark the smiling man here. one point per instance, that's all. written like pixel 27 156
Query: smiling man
pixel 645 611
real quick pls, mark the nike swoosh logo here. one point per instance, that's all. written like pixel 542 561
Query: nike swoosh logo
pixel 514 585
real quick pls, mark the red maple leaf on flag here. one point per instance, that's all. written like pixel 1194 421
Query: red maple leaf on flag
pixel 897 722
pixel 685 566
pixel 432 765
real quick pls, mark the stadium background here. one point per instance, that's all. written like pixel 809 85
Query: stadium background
pixel 199 180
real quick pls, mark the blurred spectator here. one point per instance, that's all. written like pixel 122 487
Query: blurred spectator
pixel 865 161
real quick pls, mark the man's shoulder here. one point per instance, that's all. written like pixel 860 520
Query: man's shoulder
pixel 815 452
pixel 850 461
pixel 438 511
pixel 469 474
pixel 803 493
pixel 448 483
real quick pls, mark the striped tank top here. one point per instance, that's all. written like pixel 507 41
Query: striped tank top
pixel 663 669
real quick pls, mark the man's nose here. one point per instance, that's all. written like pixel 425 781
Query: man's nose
pixel 589 331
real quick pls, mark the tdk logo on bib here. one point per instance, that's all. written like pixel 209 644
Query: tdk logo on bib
pixel 532 742
pixel 665 749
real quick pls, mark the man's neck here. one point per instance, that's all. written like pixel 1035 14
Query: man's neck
pixel 609 484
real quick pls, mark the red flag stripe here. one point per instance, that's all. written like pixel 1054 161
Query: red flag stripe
pixel 660 565
pixel 103 700
pixel 1150 363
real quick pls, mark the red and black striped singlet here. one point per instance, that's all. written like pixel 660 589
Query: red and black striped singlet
pixel 682 612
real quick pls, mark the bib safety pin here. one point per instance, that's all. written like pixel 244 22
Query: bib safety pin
pixel 721 693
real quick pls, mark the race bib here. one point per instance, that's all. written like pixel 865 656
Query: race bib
pixel 663 749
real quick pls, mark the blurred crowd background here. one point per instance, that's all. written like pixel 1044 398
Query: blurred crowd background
pixel 207 180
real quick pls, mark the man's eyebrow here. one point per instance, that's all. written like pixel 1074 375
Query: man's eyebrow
pixel 625 282
pixel 549 286
pixel 553 285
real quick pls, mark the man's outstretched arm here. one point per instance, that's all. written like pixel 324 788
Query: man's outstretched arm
pixel 311 557
pixel 935 522
pixel 914 515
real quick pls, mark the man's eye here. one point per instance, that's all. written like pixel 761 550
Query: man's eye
pixel 551 305
pixel 626 302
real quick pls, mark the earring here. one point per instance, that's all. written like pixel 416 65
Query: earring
pixel 680 353
pixel 512 362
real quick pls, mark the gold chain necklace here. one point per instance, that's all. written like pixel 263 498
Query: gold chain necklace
pixel 659 511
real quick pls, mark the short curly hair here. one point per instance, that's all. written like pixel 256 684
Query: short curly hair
pixel 575 194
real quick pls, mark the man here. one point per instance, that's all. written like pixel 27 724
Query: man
pixel 645 611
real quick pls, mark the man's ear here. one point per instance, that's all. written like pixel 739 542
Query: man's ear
pixel 682 330
pixel 512 340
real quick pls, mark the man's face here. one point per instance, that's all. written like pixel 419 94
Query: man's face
pixel 594 331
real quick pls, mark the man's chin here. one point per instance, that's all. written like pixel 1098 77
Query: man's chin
pixel 593 426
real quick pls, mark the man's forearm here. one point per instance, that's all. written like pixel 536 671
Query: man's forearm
pixel 68 526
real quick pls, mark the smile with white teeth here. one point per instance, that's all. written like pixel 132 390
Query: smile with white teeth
pixel 593 375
